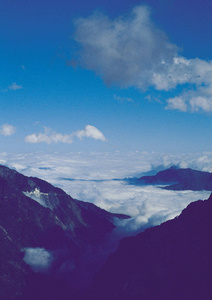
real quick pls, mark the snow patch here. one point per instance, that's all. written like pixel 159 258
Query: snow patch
pixel 37 196
pixel 44 199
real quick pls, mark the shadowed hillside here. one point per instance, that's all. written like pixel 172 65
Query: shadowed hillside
pixel 172 261
pixel 49 241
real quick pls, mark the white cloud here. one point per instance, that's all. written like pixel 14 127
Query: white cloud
pixel 176 103
pixel 90 132
pixel 148 205
pixel 39 259
pixel 48 138
pixel 7 129
pixel 127 50
pixel 131 51
pixel 200 100
pixel 123 99
pixel 196 72
pixel 53 137
pixel 14 86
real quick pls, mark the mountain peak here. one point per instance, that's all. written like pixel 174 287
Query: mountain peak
pixel 38 220
pixel 174 167
pixel 180 179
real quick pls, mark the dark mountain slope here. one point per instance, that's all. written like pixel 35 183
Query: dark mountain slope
pixel 172 261
pixel 55 232
pixel 180 179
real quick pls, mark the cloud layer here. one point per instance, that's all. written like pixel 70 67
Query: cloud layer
pixel 7 129
pixel 53 137
pixel 93 175
pixel 132 51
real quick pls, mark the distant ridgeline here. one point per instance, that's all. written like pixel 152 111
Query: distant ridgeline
pixel 178 179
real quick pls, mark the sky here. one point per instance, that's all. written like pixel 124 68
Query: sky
pixel 93 91
pixel 105 76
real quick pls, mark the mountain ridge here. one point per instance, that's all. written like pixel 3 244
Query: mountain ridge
pixel 180 179
pixel 38 218
pixel 52 245
pixel 169 261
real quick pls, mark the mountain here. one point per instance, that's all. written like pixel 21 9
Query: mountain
pixel 180 179
pixel 172 261
pixel 50 242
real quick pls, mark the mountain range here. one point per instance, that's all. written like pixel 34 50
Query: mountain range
pixel 180 179
pixel 45 233
pixel 56 247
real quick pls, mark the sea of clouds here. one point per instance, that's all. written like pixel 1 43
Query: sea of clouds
pixel 92 177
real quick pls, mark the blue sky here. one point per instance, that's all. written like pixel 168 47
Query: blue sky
pixel 128 77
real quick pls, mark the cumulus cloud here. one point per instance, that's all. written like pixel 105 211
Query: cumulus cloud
pixel 53 137
pixel 48 138
pixel 7 129
pixel 90 132
pixel 195 72
pixel 14 86
pixel 176 103
pixel 132 51
pixel 125 51
pixel 39 259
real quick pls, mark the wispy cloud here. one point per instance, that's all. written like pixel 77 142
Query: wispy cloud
pixel 132 51
pixel 14 86
pixel 123 99
pixel 7 129
pixel 50 136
